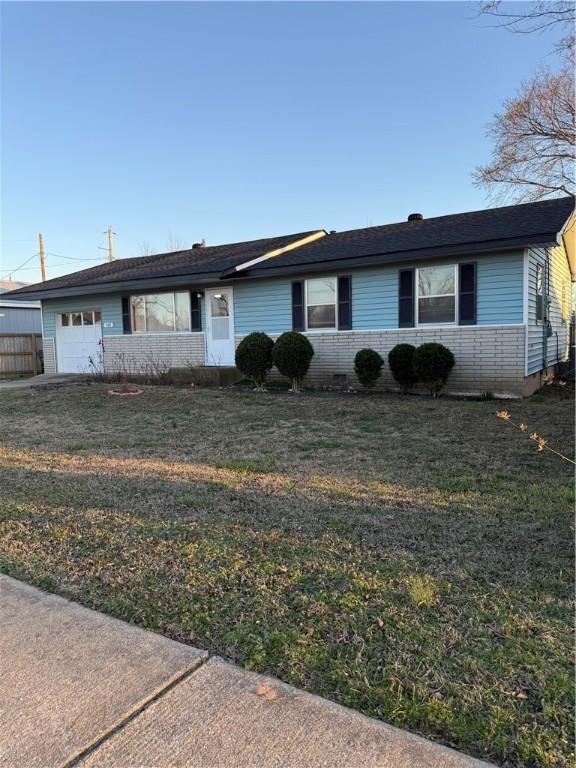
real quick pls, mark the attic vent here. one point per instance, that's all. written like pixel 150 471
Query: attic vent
pixel 415 217
pixel 201 244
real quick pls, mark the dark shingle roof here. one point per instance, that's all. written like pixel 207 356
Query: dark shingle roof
pixel 514 226
pixel 207 260
pixel 528 224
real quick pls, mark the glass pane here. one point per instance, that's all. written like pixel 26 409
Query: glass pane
pixel 433 281
pixel 97 317
pixel 437 310
pixel 160 313
pixel 138 316
pixel 182 306
pixel 321 290
pixel 88 318
pixel 323 316
pixel 76 318
pixel 65 318
pixel 220 328
pixel 219 305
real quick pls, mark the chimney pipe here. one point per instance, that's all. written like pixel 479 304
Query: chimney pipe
pixel 415 217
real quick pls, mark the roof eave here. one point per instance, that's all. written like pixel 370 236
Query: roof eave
pixel 120 286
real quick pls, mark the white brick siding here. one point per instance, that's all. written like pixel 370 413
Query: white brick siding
pixel 49 352
pixel 488 359
pixel 148 354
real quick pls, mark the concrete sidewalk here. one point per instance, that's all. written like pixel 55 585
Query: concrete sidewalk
pixel 82 689
pixel 41 380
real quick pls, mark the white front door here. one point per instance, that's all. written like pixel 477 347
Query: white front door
pixel 79 342
pixel 220 326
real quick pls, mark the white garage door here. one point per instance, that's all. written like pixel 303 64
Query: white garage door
pixel 79 341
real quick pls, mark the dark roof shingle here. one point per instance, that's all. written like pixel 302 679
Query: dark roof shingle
pixel 525 222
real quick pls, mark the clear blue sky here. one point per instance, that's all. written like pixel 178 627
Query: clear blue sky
pixel 233 121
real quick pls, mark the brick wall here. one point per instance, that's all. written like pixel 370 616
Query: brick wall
pixel 49 353
pixel 152 353
pixel 488 359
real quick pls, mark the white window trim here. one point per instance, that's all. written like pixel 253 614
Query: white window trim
pixel 160 333
pixel 321 330
pixel 438 295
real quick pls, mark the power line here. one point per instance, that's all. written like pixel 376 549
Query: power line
pixel 10 271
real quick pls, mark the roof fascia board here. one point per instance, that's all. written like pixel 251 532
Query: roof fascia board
pixel 567 237
pixel 276 252
pixel 19 304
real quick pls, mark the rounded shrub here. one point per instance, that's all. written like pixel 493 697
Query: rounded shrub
pixel 432 364
pixel 254 357
pixel 368 367
pixel 292 354
pixel 400 360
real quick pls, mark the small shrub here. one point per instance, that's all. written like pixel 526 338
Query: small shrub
pixel 292 354
pixel 432 364
pixel 254 357
pixel 368 367
pixel 487 396
pixel 400 360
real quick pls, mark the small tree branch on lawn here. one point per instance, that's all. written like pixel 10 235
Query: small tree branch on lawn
pixel 538 439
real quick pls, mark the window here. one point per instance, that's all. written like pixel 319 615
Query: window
pixel 437 295
pixel 79 318
pixel 161 312
pixel 321 302
pixel 539 293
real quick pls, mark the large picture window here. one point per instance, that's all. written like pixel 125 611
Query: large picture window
pixel 160 312
pixel 437 295
pixel 321 302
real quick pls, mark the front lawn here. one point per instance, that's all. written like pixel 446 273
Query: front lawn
pixel 406 557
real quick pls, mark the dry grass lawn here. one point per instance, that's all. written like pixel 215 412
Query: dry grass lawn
pixel 406 557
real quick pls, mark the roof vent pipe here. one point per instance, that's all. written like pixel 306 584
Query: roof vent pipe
pixel 415 217
pixel 201 244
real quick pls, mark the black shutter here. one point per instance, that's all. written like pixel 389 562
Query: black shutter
pixel 467 298
pixel 345 303
pixel 126 319
pixel 195 312
pixel 298 306
pixel 406 298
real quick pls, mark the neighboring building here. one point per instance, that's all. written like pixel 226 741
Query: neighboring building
pixel 18 316
pixel 494 286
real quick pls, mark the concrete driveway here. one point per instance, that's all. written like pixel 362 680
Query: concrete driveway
pixel 82 689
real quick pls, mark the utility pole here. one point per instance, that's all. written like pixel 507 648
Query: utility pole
pixel 42 259
pixel 110 243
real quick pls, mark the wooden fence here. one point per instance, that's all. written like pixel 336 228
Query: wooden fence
pixel 20 354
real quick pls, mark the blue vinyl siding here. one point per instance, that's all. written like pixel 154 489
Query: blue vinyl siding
pixel 109 305
pixel 266 305
pixel 500 298
pixel 263 305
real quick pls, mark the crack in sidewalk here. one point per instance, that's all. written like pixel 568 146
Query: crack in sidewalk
pixel 132 714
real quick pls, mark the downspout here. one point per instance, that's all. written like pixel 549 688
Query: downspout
pixel 546 322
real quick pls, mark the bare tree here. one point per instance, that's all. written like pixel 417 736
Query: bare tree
pixel 534 147
pixel 146 249
pixel 534 142
pixel 175 243
pixel 537 16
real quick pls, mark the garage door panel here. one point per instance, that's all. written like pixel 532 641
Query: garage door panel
pixel 79 340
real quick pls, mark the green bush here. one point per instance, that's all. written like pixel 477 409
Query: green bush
pixel 368 367
pixel 432 364
pixel 254 357
pixel 400 360
pixel 292 354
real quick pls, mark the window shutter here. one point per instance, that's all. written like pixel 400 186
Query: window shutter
pixel 467 298
pixel 298 306
pixel 126 319
pixel 345 303
pixel 195 312
pixel 406 298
